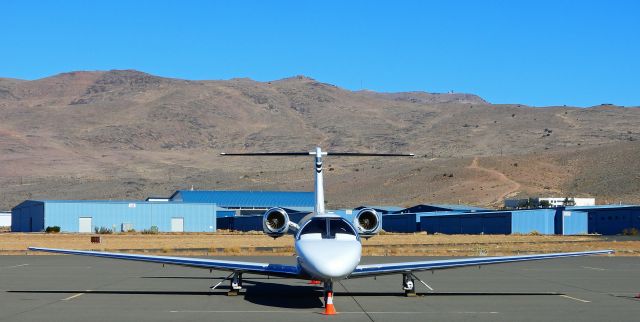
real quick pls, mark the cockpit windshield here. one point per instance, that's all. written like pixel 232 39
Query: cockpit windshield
pixel 328 228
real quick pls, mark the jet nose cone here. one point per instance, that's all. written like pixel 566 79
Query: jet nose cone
pixel 332 262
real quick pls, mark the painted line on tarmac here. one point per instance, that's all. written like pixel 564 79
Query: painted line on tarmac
pixel 74 296
pixel 303 312
pixel 595 268
pixel 575 298
pixel 14 266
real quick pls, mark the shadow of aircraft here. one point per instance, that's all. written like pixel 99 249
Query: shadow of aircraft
pixel 274 294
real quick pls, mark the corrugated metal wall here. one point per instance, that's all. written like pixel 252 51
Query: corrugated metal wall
pixel 528 221
pixel 572 222
pixel 400 223
pixel 469 223
pixel 495 223
pixel 247 223
pixel 225 213
pixel 112 215
pixel 225 223
pixel 28 216
pixel 613 221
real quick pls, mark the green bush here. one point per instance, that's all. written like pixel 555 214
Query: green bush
pixel 103 230
pixel 52 229
pixel 151 231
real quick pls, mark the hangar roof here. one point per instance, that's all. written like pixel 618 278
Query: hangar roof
pixel 255 199
pixel 436 207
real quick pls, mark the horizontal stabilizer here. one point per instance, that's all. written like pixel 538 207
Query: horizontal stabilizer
pixel 343 154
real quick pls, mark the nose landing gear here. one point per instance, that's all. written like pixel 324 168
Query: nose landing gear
pixel 329 309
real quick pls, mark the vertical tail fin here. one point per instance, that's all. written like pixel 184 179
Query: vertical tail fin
pixel 319 188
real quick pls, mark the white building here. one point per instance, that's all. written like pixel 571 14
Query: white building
pixel 553 202
pixel 5 219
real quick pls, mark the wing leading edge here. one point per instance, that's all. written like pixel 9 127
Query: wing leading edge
pixel 236 266
pixel 395 268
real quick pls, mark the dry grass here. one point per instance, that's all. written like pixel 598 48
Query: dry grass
pixel 247 244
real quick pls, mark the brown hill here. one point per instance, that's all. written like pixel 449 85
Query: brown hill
pixel 128 134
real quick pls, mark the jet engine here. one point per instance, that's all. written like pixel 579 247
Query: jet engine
pixel 275 222
pixel 368 222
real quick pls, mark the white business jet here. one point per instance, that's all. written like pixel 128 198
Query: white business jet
pixel 328 246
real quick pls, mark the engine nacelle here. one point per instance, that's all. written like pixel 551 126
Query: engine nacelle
pixel 368 222
pixel 275 222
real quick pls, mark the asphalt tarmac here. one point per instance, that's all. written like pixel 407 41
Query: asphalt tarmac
pixel 74 288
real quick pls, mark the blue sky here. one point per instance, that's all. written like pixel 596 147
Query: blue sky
pixel 579 53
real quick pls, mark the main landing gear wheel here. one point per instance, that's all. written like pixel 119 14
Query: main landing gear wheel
pixel 236 284
pixel 408 285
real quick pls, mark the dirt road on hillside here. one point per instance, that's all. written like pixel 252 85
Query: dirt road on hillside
pixel 511 186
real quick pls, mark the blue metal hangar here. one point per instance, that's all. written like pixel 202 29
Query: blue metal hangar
pixel 184 211
pixel 248 202
pixel 604 220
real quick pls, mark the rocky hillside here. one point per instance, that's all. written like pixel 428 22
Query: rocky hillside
pixel 127 134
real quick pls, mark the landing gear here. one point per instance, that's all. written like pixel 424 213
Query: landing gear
pixel 236 284
pixel 329 309
pixel 408 285
pixel 328 287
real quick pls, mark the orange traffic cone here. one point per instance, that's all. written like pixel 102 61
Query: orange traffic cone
pixel 314 282
pixel 328 308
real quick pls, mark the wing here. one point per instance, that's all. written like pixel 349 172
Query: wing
pixel 395 268
pixel 235 266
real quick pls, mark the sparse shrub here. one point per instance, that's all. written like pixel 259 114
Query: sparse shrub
pixel 151 231
pixel 480 250
pixel 630 231
pixel 535 233
pixel 103 230
pixel 52 229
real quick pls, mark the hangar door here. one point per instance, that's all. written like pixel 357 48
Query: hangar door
pixel 84 225
pixel 177 224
